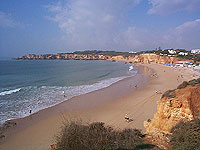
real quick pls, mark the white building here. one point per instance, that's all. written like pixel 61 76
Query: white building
pixel 195 51
pixel 183 53
pixel 132 52
pixel 172 51
pixel 184 64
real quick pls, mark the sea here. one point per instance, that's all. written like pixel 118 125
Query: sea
pixel 38 84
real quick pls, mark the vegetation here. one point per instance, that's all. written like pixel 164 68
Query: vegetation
pixel 191 82
pixel 183 85
pixel 196 58
pixel 169 93
pixel 186 135
pixel 172 94
pixel 107 53
pixel 190 56
pixel 96 136
pixel 159 51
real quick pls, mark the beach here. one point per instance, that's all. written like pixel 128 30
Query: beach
pixel 108 105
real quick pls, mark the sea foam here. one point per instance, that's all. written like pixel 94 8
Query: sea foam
pixel 9 92
pixel 48 86
pixel 38 98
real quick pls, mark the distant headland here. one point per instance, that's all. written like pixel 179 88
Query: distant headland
pixel 167 56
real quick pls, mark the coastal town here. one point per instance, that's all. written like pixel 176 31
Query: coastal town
pixel 194 55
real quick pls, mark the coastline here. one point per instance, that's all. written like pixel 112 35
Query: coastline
pixel 37 130
pixel 75 103
pixel 48 89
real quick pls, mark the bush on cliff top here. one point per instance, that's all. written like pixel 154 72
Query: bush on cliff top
pixel 172 94
pixel 97 136
pixel 183 85
pixel 169 93
pixel 191 82
pixel 186 135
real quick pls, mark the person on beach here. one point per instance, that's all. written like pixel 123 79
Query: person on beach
pixel 136 86
pixel 30 114
pixel 126 118
pixel 63 93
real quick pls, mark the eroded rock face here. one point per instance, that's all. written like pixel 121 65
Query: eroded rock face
pixel 142 58
pixel 149 57
pixel 184 106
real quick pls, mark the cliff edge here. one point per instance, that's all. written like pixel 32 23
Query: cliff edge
pixel 149 57
pixel 182 103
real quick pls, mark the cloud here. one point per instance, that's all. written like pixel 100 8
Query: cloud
pixel 6 20
pixel 165 7
pixel 186 35
pixel 94 24
pixel 90 23
pixel 138 39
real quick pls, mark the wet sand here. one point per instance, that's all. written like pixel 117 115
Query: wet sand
pixel 108 105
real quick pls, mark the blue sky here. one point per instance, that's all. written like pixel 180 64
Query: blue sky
pixel 52 26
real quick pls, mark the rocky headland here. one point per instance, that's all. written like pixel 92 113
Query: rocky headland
pixel 150 57
pixel 181 104
pixel 132 58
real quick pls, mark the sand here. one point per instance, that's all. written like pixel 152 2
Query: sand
pixel 109 105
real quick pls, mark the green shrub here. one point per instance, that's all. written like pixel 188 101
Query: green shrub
pixel 193 82
pixel 183 85
pixel 186 135
pixel 97 136
pixel 198 80
pixel 169 93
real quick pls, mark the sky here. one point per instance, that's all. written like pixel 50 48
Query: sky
pixel 54 26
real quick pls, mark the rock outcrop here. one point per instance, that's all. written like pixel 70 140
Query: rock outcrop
pixel 142 58
pixel 180 104
pixel 150 57
pixel 65 57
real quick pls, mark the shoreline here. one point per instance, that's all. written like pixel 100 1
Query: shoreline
pixel 92 86
pixel 42 114
pixel 140 104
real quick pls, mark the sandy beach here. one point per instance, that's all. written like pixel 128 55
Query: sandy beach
pixel 109 105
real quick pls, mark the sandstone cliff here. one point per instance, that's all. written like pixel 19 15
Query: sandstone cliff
pixel 150 57
pixel 175 105
pixel 142 58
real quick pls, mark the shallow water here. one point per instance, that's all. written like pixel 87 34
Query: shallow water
pixel 36 85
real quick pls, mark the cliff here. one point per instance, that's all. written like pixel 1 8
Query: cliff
pixel 142 58
pixel 65 57
pixel 150 57
pixel 182 103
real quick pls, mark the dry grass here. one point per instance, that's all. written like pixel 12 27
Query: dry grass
pixel 76 135
pixel 186 135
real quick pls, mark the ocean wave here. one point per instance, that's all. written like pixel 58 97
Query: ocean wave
pixel 37 98
pixel 131 68
pixel 9 92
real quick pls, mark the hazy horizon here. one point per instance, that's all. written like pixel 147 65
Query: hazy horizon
pixel 52 26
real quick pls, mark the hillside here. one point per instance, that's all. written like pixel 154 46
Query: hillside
pixel 105 55
pixel 181 104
